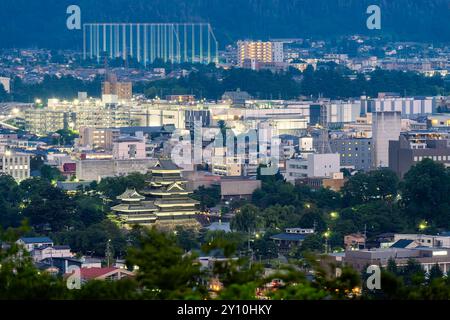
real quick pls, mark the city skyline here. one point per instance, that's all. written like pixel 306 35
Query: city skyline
pixel 243 154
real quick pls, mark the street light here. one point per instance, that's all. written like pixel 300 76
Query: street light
pixel 423 225
pixel 334 215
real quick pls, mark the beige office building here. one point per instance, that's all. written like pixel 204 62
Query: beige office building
pixel 15 164
pixel 98 138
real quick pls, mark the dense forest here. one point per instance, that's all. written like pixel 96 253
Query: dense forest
pixel 42 23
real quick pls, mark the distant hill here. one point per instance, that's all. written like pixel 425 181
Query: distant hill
pixel 41 23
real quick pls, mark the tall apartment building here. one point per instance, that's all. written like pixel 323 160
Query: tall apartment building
pixel 259 51
pixel 44 121
pixel 386 126
pixel 123 90
pixel 102 116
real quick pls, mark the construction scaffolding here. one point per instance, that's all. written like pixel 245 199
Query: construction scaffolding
pixel 147 42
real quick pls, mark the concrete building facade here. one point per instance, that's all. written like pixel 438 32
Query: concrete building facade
pixel 386 126
pixel 356 153
pixel 95 170
pixel 15 164
pixel 413 147
pixel 314 166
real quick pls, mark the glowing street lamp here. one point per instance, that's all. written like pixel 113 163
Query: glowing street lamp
pixel 334 215
pixel 423 225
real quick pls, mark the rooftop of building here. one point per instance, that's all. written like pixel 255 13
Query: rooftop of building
pixel 130 194
pixel 128 139
pixel 403 243
pixel 147 130
pixel 58 247
pixel 219 226
pixel 289 236
pixel 93 273
pixel 164 164
pixel 31 240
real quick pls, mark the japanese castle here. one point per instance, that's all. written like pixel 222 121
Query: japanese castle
pixel 164 202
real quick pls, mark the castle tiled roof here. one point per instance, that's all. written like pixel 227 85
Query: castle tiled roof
pixel 130 195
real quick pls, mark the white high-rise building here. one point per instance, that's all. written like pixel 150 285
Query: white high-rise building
pixel 386 126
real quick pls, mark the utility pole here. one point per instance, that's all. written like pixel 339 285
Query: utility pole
pixel 108 253
pixel 250 250
pixel 365 235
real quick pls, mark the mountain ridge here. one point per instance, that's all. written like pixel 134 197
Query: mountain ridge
pixel 42 23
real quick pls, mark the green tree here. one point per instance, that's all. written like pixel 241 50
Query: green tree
pixel 392 266
pixel 435 273
pixel 425 191
pixel 246 220
pixel 93 239
pixel 64 137
pixel 208 197
pixel 164 271
pixel 187 239
pixel 47 206
pixel 112 187
pixel 376 185
pixel 312 243
pixel 19 279
pixel 51 174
